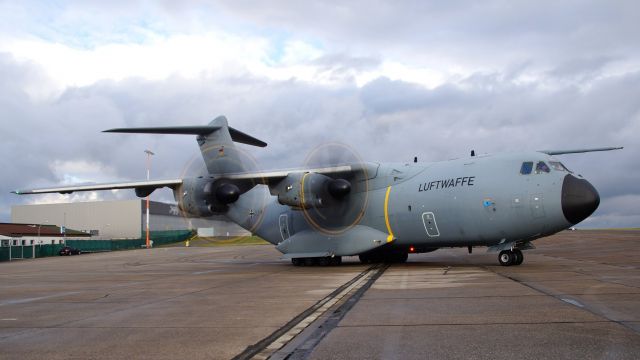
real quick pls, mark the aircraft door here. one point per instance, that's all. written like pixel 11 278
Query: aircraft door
pixel 430 225
pixel 283 222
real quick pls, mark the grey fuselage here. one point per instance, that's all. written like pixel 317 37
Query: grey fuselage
pixel 477 201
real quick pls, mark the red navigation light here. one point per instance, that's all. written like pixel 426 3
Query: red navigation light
pixel 411 249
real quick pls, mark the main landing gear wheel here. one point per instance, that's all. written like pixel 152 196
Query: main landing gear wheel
pixel 387 257
pixel 510 257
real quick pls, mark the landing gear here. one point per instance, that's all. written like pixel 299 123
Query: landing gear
pixel 519 257
pixel 510 257
pixel 320 261
pixel 506 258
pixel 397 257
pixel 369 258
pixel 387 257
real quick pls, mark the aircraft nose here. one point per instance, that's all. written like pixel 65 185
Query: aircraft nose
pixel 579 199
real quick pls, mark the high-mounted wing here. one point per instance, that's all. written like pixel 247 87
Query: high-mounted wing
pixel 577 151
pixel 142 187
pixel 292 181
pixel 271 176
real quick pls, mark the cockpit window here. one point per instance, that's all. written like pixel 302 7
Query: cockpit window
pixel 541 167
pixel 556 165
pixel 526 168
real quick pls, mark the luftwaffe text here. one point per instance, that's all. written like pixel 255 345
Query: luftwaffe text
pixel 447 183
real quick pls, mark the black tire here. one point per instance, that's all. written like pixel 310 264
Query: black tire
pixel 519 257
pixel 324 261
pixel 309 261
pixel 365 259
pixel 397 257
pixel 506 258
pixel 296 262
pixel 336 260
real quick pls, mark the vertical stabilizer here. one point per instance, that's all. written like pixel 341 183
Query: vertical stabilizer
pixel 218 150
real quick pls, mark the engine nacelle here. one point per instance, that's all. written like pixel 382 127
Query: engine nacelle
pixel 205 196
pixel 310 190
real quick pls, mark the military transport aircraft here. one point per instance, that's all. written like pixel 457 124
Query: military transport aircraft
pixel 378 211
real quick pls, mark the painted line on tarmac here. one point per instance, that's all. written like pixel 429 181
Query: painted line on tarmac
pixel 303 344
pixel 27 300
pixel 586 307
pixel 572 302
pixel 271 344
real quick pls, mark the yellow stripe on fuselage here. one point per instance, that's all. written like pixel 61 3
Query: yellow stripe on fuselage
pixel 386 214
pixel 302 190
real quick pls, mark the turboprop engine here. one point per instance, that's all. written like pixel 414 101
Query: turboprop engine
pixel 311 190
pixel 205 196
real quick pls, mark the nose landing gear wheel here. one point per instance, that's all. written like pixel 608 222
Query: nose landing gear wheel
pixel 519 257
pixel 506 257
pixel 510 257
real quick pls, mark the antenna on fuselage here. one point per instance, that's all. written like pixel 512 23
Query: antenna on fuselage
pixel 473 153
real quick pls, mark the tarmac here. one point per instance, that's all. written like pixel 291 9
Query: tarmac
pixel 577 295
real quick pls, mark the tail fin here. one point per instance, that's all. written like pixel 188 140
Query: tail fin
pixel 215 140
pixel 218 151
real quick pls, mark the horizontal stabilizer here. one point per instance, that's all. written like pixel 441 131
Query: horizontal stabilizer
pixel 143 185
pixel 577 151
pixel 239 136
pixel 236 135
pixel 176 130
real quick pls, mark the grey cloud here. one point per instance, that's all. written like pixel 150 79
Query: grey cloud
pixel 581 68
pixel 487 33
pixel 385 120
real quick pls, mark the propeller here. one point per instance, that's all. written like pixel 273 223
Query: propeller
pixel 210 194
pixel 344 196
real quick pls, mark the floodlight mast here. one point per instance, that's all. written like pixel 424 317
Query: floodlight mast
pixel 149 154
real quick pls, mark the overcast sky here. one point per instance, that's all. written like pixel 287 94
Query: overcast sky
pixel 393 79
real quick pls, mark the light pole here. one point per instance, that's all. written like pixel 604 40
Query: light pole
pixel 33 250
pixel 39 239
pixel 149 154
pixel 64 229
pixel 33 246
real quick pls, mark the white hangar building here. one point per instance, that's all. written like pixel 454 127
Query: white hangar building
pixel 123 219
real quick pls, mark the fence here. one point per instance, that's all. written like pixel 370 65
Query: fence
pixel 158 238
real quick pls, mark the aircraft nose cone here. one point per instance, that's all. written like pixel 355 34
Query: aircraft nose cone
pixel 579 199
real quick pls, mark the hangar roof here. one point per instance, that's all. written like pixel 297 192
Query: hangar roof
pixel 14 230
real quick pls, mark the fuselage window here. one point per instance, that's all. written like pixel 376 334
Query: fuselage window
pixel 541 167
pixel 526 168
pixel 556 165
